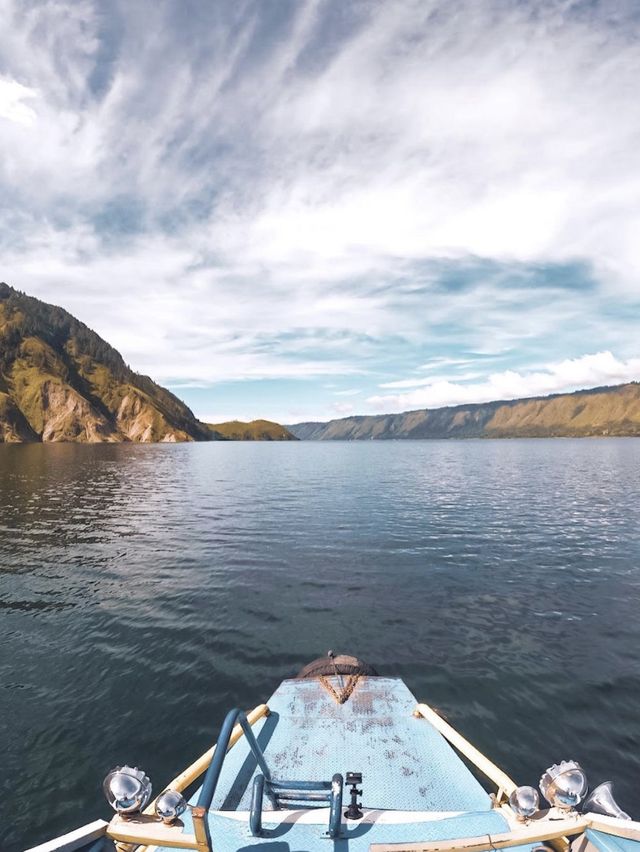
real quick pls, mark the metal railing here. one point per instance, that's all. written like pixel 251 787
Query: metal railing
pixel 319 792
pixel 212 775
pixel 299 791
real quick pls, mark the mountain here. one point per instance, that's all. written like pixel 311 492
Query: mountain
pixel 60 381
pixel 599 411
pixel 256 430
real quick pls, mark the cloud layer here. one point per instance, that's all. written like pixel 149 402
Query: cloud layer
pixel 596 370
pixel 302 190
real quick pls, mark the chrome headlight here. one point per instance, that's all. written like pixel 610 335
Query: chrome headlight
pixel 127 790
pixel 564 784
pixel 524 801
pixel 169 805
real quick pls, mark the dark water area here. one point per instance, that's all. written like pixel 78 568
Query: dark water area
pixel 145 590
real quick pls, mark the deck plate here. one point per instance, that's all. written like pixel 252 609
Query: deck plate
pixel 406 764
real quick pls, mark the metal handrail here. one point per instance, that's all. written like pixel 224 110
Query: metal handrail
pixel 302 791
pixel 332 790
pixel 215 767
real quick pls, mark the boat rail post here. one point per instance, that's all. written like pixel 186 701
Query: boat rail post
pixel 199 813
pixel 189 776
pixel 335 812
pixel 257 798
pixel 201 829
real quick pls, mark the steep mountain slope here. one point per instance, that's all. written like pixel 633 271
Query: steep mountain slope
pixel 600 411
pixel 256 430
pixel 60 381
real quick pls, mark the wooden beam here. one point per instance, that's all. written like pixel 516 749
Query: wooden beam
pixel 627 828
pixel 534 833
pixel 145 830
pixel 74 839
pixel 502 781
pixel 201 829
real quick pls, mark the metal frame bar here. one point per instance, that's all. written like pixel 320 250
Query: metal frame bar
pixel 302 791
pixel 199 766
pixel 200 839
pixel 255 814
pixel 335 815
pixel 212 775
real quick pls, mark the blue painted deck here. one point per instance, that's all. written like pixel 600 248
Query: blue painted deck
pixel 230 835
pixel 416 788
pixel 609 843
pixel 405 763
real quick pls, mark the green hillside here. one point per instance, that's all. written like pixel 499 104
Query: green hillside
pixel 60 381
pixel 599 411
pixel 256 430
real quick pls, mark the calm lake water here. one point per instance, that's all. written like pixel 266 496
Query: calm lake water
pixel 145 590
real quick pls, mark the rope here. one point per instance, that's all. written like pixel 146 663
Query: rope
pixel 345 689
pixel 345 693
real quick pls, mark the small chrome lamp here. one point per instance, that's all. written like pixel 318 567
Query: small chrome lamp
pixel 170 805
pixel 564 784
pixel 601 801
pixel 127 789
pixel 524 802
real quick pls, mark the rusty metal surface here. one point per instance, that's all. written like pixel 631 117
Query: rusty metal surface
pixel 336 663
pixel 406 764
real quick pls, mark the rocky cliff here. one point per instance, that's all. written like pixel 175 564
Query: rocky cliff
pixel 599 411
pixel 60 381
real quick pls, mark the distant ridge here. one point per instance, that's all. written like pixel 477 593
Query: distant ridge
pixel 60 381
pixel 583 413
pixel 256 430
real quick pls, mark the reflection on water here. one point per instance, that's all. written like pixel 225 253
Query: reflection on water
pixel 144 590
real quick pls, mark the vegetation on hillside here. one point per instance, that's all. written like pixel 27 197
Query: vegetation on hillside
pixel 60 381
pixel 65 382
pixel 599 411
pixel 256 430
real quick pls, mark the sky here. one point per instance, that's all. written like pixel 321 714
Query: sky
pixel 301 210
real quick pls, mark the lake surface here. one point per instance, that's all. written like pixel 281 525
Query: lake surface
pixel 145 590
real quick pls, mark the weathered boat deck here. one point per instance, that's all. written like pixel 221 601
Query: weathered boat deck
pixel 405 763
pixel 416 790
pixel 232 835
pixel 415 787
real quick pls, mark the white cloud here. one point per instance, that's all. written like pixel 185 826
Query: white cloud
pixel 422 382
pixel 439 362
pixel 445 131
pixel 284 199
pixel 588 371
pixel 342 409
pixel 12 106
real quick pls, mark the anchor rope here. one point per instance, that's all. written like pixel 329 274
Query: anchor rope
pixel 346 690
pixel 345 693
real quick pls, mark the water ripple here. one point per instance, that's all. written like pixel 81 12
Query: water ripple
pixel 144 590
